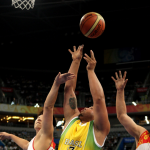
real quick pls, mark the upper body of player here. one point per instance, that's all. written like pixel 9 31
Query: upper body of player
pixel 44 123
pixel 141 135
pixel 86 129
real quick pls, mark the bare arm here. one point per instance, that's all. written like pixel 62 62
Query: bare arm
pixel 70 101
pixel 101 122
pixel 47 123
pixel 132 128
pixel 19 141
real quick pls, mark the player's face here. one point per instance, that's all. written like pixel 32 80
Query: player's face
pixel 87 114
pixel 38 123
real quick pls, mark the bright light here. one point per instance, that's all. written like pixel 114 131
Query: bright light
pixel 24 119
pixel 8 118
pixel 146 119
pixel 36 105
pixel 59 123
pixel 12 103
pixel 30 118
pixel 15 117
pixel 18 120
pixel 134 103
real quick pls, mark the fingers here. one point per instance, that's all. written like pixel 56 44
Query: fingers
pixel 74 48
pixel 70 51
pixel 124 76
pixel 116 75
pixel 70 77
pixel 88 58
pixel 67 74
pixel 120 75
pixel 2 137
pixel 58 75
pixel 92 54
pixel 81 48
pixel 113 79
pixel 126 82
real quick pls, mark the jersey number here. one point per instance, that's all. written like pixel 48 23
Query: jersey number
pixel 71 148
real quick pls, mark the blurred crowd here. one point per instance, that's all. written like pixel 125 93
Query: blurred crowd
pixel 29 89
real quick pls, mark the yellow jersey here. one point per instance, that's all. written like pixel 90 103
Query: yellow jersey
pixel 78 136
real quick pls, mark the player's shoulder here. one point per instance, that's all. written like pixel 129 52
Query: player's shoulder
pixel 70 121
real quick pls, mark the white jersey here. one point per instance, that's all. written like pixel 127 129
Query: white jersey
pixel 145 146
pixel 31 145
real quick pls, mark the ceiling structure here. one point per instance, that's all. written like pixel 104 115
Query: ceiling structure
pixel 56 16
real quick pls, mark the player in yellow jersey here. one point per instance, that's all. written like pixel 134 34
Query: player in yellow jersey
pixel 141 135
pixel 88 129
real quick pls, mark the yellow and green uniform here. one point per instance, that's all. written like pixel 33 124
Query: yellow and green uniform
pixel 78 136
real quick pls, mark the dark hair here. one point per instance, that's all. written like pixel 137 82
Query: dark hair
pixel 54 120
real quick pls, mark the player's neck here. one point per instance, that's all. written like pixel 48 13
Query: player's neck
pixel 83 122
pixel 37 131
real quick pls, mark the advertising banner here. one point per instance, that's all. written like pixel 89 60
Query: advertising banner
pixel 6 89
pixel 120 55
pixel 20 109
pixel 59 110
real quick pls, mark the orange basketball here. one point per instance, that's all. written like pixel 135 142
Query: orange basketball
pixel 92 25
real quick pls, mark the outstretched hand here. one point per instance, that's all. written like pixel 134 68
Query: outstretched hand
pixel 4 135
pixel 120 82
pixel 77 54
pixel 62 78
pixel 90 60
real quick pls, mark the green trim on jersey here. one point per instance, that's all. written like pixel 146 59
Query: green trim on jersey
pixel 67 128
pixel 90 143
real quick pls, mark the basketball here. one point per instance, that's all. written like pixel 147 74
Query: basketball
pixel 92 25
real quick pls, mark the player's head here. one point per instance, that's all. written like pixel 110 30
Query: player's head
pixel 38 121
pixel 86 114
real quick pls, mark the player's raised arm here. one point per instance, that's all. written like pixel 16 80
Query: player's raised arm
pixel 101 122
pixel 70 101
pixel 19 141
pixel 47 123
pixel 132 128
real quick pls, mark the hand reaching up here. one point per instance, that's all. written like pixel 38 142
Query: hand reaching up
pixel 4 135
pixel 62 78
pixel 77 54
pixel 90 60
pixel 120 82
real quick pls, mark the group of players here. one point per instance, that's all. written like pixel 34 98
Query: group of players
pixel 85 130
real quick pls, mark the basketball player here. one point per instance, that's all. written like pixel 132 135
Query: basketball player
pixel 86 129
pixel 141 135
pixel 44 123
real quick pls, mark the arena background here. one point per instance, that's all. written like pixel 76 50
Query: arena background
pixel 34 48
